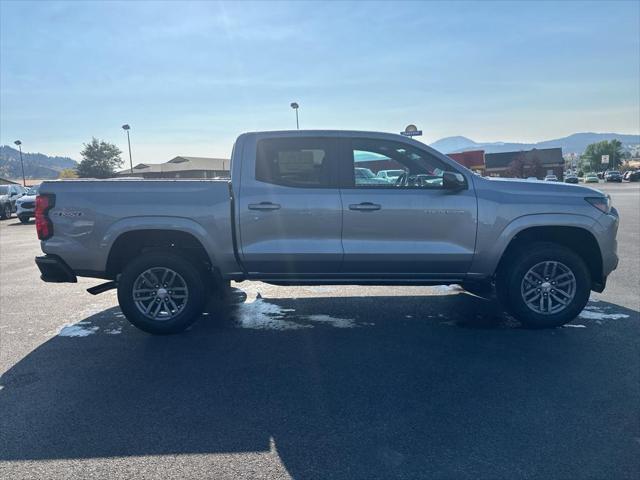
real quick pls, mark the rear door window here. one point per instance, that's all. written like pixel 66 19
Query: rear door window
pixel 293 162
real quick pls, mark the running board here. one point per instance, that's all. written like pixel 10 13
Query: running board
pixel 103 287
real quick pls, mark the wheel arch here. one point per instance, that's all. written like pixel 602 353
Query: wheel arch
pixel 129 243
pixel 577 238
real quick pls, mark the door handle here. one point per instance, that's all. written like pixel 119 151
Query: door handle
pixel 264 206
pixel 365 206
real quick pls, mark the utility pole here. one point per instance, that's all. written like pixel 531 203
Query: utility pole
pixel 126 127
pixel 295 106
pixel 19 144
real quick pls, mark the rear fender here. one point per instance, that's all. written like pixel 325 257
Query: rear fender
pixel 179 224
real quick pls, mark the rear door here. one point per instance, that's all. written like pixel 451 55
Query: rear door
pixel 410 226
pixel 290 211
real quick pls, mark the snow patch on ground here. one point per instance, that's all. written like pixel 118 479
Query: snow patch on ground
pixel 333 321
pixel 596 315
pixel 260 315
pixel 113 331
pixel 77 330
pixel 569 325
pixel 448 288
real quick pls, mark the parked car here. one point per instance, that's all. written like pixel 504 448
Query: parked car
pixel 293 214
pixel 364 176
pixel 613 176
pixel 9 195
pixel 26 205
pixel 390 175
pixel 571 179
pixel 551 178
pixel 591 178
pixel 631 175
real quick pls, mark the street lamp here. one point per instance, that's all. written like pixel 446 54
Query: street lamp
pixel 126 127
pixel 19 144
pixel 295 106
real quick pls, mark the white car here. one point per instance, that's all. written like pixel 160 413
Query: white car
pixel 26 205
pixel 390 175
pixel 550 178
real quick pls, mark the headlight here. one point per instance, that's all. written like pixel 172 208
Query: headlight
pixel 601 203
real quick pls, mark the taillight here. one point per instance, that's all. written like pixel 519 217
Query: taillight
pixel 44 226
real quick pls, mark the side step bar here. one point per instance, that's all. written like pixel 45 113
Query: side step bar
pixel 103 287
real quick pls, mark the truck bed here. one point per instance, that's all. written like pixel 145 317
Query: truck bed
pixel 89 215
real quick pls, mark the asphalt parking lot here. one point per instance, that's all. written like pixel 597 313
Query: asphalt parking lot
pixel 318 382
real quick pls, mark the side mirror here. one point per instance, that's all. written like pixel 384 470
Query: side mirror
pixel 453 181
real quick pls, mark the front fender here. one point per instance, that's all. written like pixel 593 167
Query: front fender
pixel 492 243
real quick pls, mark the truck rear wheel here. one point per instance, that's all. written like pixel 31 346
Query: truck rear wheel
pixel 545 285
pixel 161 293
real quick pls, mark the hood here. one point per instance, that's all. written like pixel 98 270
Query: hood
pixel 540 187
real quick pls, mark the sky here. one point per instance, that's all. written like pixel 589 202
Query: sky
pixel 190 76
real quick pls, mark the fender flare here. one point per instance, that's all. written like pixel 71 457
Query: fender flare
pixel 170 223
pixel 488 256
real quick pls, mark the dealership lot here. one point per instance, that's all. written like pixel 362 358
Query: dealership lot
pixel 318 382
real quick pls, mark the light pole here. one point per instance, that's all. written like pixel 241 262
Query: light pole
pixel 19 144
pixel 126 127
pixel 295 106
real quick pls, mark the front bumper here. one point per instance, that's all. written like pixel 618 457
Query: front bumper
pixel 24 212
pixel 54 269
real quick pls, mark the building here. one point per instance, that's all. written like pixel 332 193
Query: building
pixel 4 181
pixel 182 167
pixel 473 160
pixel 531 163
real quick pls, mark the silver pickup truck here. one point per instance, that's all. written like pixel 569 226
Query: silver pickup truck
pixel 295 213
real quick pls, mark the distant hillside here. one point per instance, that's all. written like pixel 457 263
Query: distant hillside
pixel 36 165
pixel 575 143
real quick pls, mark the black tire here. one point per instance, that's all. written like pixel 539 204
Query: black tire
pixel 24 219
pixel 191 309
pixel 510 280
pixel 5 211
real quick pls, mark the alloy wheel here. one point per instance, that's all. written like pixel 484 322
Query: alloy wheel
pixel 160 293
pixel 548 287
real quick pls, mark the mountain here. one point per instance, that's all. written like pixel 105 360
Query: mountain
pixel 454 144
pixel 36 165
pixel 575 143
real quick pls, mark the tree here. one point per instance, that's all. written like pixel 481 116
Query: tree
pixel 591 159
pixel 516 167
pixel 68 173
pixel 99 159
pixel 537 168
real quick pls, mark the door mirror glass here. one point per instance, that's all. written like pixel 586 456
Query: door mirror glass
pixel 453 181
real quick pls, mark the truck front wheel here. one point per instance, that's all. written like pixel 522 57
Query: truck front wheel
pixel 544 285
pixel 161 293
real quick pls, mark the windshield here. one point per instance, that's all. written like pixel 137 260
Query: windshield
pixel 4 190
pixel 33 190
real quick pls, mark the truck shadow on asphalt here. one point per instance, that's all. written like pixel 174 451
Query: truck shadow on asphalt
pixel 400 391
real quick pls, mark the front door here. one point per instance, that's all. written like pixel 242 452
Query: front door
pixel 402 222
pixel 290 209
